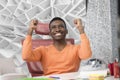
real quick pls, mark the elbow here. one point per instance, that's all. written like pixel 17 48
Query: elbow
pixel 86 55
pixel 89 55
pixel 24 58
pixel 25 55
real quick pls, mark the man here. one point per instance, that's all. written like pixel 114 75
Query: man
pixel 58 57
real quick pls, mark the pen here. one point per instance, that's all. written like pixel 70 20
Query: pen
pixel 54 77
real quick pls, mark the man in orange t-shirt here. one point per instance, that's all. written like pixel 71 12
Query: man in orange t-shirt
pixel 58 57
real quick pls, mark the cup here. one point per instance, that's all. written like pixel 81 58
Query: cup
pixel 111 68
pixel 116 70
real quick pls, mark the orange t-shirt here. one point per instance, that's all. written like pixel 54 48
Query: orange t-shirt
pixel 54 61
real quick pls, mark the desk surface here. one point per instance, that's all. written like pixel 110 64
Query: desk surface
pixel 74 76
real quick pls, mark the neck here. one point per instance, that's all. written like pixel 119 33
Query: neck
pixel 60 44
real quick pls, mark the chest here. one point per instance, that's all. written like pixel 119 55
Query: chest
pixel 67 55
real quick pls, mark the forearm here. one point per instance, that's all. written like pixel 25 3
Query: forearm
pixel 81 31
pixel 27 52
pixel 85 49
pixel 26 48
pixel 30 31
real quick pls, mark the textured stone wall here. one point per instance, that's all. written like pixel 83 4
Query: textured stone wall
pixel 114 18
pixel 101 28
pixel 118 22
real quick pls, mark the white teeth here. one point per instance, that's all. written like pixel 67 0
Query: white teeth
pixel 58 34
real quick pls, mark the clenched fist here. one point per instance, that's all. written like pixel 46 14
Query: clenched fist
pixel 32 26
pixel 78 24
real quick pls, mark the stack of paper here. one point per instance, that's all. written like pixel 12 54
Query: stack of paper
pixel 86 74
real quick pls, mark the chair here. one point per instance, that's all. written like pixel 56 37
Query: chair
pixel 35 67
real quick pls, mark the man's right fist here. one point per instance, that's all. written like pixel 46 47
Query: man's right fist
pixel 33 24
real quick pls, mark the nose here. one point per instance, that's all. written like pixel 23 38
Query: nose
pixel 57 28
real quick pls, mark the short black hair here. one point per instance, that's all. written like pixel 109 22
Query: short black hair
pixel 57 18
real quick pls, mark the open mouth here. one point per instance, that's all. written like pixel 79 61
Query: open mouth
pixel 58 34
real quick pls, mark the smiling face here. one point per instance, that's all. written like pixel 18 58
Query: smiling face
pixel 58 30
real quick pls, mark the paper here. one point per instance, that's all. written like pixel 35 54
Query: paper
pixel 86 74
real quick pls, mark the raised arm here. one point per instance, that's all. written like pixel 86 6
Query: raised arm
pixel 28 54
pixel 84 49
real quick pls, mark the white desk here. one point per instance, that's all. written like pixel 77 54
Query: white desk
pixel 76 76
